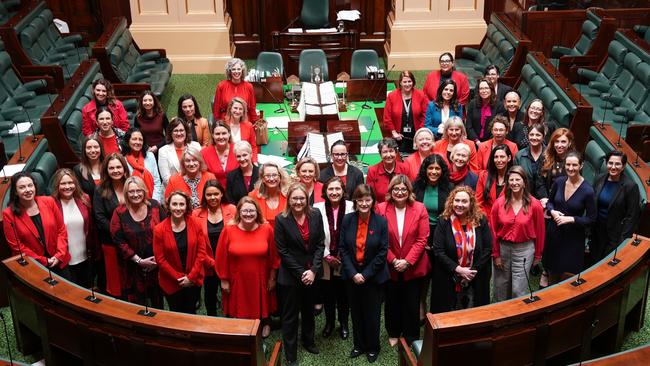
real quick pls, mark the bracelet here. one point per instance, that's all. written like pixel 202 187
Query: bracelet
pixel 138 260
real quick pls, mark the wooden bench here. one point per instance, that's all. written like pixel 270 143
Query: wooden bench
pixel 559 328
pixel 70 330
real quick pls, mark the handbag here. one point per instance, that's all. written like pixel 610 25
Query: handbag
pixel 261 132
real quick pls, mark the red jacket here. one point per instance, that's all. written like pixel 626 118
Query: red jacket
pixel 226 90
pixel 430 87
pixel 414 238
pixel 89 123
pixel 177 183
pixel 211 159
pixel 395 106
pixel 56 234
pixel 486 205
pixel 485 149
pixel 168 259
pixel 440 148
pixel 378 179
pixel 201 215
pixel 247 133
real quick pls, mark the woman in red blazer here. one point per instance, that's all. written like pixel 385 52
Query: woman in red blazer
pixel 492 182
pixel 408 229
pixel 214 214
pixel 241 128
pixel 192 177
pixel 404 111
pixel 432 83
pixel 179 247
pixel 220 157
pixel 34 225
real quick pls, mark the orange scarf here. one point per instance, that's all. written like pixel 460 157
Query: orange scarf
pixel 137 163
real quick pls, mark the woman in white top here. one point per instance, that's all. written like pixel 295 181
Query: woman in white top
pixel 169 156
pixel 332 211
pixel 76 209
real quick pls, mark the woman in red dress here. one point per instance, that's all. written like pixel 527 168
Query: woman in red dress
pixel 270 191
pixel 247 262
pixel 234 86
pixel 220 157
pixel 241 128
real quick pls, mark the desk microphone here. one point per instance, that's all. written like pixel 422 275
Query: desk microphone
pixel 636 240
pixel 49 279
pixel 146 312
pixel 4 324
pixel 532 297
pixel 20 260
pixel 21 158
pixel 275 128
pixel 579 281
pixel 92 298
pixel 280 104
pixel 365 101
pixel 614 260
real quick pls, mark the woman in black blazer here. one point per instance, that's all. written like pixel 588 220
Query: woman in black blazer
pixel 365 270
pixel 485 97
pixel 618 207
pixel 299 237
pixel 460 283
pixel 88 171
pixel 241 181
pixel 352 176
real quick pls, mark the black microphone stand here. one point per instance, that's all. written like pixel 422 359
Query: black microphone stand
pixel 20 260
pixel 614 260
pixel 92 298
pixel 280 104
pixel 4 325
pixel 532 297
pixel 49 279
pixel 146 312
pixel 370 94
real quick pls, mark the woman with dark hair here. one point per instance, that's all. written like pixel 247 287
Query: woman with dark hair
pixel 192 177
pixel 447 71
pixel 142 162
pixel 247 263
pixel 110 136
pixel 299 237
pixel 423 145
pixel 380 174
pixel 88 171
pixel 219 157
pixel 404 111
pixel 517 222
pixel 151 120
pixel 407 236
pixel 481 111
pixel 132 227
pixel 491 182
pixel 234 86
pixel 571 205
pixel 241 181
pixel 103 97
pixel 76 210
pixel 515 117
pixel 333 209
pixel 364 246
pixel 444 106
pixel 454 133
pixel 617 205
pixel 34 226
pixel 500 90
pixel 179 249
pixel 351 175
pixel 241 128
pixel 169 156
pixel 214 214
pixel 531 158
pixel 189 112
pixel 499 128
pixel 560 144
pixel 462 247
pixel 308 172
pixel 534 114
pixel 108 195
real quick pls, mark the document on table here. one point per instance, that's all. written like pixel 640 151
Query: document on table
pixel 10 170
pixel 278 122
pixel 372 149
pixel 321 30
pixel 294 30
pixel 282 162
pixel 20 127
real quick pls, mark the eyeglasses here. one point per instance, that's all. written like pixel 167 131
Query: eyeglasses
pixel 340 155
pixel 271 176
pixel 446 61
pixel 248 212
pixel 399 190
pixel 136 191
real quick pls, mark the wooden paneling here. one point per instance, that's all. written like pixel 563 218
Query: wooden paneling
pixel 81 16
pixel 552 28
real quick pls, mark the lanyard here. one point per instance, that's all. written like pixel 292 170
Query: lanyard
pixel 407 106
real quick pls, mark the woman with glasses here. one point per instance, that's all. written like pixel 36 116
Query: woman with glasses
pixel 192 177
pixel 380 174
pixel 447 71
pixel 499 128
pixel 351 176
pixel 364 246
pixel 169 156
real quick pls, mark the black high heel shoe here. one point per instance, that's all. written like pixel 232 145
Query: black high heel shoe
pixel 327 331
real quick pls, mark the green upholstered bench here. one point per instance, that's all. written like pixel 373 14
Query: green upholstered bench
pixel 588 33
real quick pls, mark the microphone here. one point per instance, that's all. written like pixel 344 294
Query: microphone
pixel 146 312
pixel 5 180
pixel 579 281
pixel 636 240
pixel 614 260
pixel 92 298
pixel 532 297
pixel 21 158
pixel 602 121
pixel 284 153
pixel 4 325
pixel 280 104
pixel 31 124
pixel 365 103
pixel 363 153
pixel 49 279
pixel 20 260
pixel 620 131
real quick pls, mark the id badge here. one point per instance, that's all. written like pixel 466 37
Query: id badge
pixel 407 129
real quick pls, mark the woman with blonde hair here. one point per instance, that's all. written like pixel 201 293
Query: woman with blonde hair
pixel 270 191
pixel 459 170
pixel 454 133
pixel 308 173
pixel 241 128
pixel 192 177
pixel 462 245
pixel 423 142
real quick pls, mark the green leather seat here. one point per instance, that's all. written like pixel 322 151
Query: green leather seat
pixel 268 62
pixel 360 60
pixel 309 58
pixel 633 98
pixel 594 161
pixel 23 91
pixel 620 86
pixel 417 348
pixel 43 173
pixel 607 75
pixel 643 31
pixel 315 13
pixel 588 34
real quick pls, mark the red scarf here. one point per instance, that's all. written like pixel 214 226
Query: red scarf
pixel 137 163
pixel 459 176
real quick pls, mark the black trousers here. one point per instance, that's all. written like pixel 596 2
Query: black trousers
pixel 297 300
pixel 184 300
pixel 402 309
pixel 211 286
pixel 365 307
pixel 81 273
pixel 599 246
pixel 335 297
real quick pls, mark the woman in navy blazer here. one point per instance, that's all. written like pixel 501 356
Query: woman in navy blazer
pixel 299 237
pixel 364 269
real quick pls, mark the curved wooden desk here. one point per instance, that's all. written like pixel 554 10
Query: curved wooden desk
pixel 635 356
pixel 560 328
pixel 73 331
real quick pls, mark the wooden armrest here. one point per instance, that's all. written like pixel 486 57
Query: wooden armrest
pixel 54 71
pixel 566 63
pixel 406 357
pixel 162 51
pixel 275 359
pixel 458 51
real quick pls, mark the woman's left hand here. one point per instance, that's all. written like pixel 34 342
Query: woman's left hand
pixel 53 262
pixel 184 282
pixel 270 286
pixel 562 220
